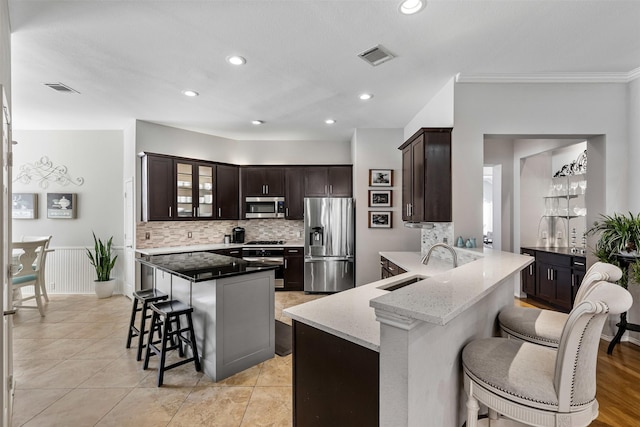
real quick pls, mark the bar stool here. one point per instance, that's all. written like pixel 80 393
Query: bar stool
pixel 146 297
pixel 166 321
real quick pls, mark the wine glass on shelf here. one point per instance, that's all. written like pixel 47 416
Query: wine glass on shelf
pixel 574 187
pixel 583 185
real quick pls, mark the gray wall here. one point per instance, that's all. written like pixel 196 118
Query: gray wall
pixel 378 149
pixel 5 49
pixel 95 156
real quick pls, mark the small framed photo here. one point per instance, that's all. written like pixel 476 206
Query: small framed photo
pixel 24 206
pixel 380 177
pixel 379 219
pixel 380 198
pixel 61 205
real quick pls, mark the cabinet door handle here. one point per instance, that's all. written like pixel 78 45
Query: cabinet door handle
pixel 293 251
pixel 286 212
pixel 169 211
pixel 410 209
pixel 548 277
pixel 573 280
pixel 325 189
pixel 267 186
pixel 219 212
pixel 330 189
pixel 530 269
pixel 285 264
pixel 390 268
pixel 578 263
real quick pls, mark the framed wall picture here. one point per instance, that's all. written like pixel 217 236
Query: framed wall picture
pixel 380 177
pixel 24 206
pixel 379 219
pixel 61 205
pixel 380 198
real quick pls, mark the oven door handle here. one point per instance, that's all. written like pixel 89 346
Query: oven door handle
pixel 263 259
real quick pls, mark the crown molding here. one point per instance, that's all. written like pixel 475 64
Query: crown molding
pixel 549 77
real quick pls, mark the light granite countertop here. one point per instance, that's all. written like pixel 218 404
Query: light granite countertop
pixel 442 295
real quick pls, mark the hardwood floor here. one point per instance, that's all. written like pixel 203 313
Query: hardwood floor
pixel 618 382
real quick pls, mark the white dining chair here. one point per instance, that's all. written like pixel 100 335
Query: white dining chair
pixel 537 385
pixel 26 272
pixel 43 271
pixel 544 327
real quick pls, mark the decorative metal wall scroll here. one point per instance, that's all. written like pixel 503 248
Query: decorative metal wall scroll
pixel 44 171
pixel 577 167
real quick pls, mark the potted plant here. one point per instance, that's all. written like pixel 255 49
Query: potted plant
pixel 103 261
pixel 619 234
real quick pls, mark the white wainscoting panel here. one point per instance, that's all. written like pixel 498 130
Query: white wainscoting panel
pixel 68 271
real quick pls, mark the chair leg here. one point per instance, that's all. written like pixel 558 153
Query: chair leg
pixel 163 352
pixel 43 288
pixel 472 409
pixel 154 318
pixel 142 331
pixel 493 414
pixel 38 299
pixel 194 346
pixel 132 322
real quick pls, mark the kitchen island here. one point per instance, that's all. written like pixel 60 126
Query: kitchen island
pixel 233 302
pixel 409 338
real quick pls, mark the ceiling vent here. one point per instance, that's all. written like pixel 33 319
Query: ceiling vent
pixel 376 55
pixel 61 87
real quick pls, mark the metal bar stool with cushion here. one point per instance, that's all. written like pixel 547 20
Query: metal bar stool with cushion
pixel 145 297
pixel 43 286
pixel 26 272
pixel 538 385
pixel 166 321
pixel 544 327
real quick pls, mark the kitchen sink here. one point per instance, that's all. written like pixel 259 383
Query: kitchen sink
pixel 402 284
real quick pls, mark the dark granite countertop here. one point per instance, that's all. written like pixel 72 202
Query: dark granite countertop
pixel 202 266
pixel 561 251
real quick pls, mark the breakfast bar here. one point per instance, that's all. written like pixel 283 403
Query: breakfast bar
pixel 233 302
pixel 409 330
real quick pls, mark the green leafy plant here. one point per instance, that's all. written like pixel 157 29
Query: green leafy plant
pixel 102 261
pixel 618 234
pixel 635 271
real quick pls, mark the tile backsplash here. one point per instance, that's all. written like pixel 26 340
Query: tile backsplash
pixel 176 233
pixel 442 230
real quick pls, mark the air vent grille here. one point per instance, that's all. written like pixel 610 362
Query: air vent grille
pixel 60 87
pixel 376 55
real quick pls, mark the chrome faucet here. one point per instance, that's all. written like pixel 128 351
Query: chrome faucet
pixel 425 259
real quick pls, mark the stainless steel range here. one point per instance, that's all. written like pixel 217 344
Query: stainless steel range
pixel 267 255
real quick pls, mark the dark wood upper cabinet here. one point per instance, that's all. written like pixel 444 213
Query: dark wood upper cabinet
pixel 426 176
pixel 294 193
pixel 175 188
pixel 328 181
pixel 158 188
pixel 262 181
pixel 227 194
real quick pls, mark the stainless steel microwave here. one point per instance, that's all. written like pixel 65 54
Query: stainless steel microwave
pixel 264 207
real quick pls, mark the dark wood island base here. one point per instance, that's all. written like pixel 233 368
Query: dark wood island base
pixel 335 382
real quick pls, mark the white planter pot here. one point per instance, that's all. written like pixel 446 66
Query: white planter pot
pixel 104 289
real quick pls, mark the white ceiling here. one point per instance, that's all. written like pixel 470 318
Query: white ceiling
pixel 131 59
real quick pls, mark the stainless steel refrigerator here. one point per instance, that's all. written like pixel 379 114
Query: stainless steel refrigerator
pixel 329 257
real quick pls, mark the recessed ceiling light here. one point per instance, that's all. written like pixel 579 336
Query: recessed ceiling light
pixel 365 96
pixel 236 60
pixel 256 122
pixel 409 7
pixel 189 92
pixel 330 121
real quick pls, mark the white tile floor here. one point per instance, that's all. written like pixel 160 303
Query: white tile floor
pixel 72 369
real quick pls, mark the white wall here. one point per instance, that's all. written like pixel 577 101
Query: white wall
pixel 534 109
pixel 535 177
pixel 95 156
pixel 378 149
pixel 634 145
pixel 437 113
pixel 5 49
pixel 500 152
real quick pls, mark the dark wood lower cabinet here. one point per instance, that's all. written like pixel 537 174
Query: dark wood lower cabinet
pixel 294 269
pixel 335 382
pixel 554 278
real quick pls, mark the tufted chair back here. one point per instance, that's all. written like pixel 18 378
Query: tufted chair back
pixel 596 273
pixel 575 369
